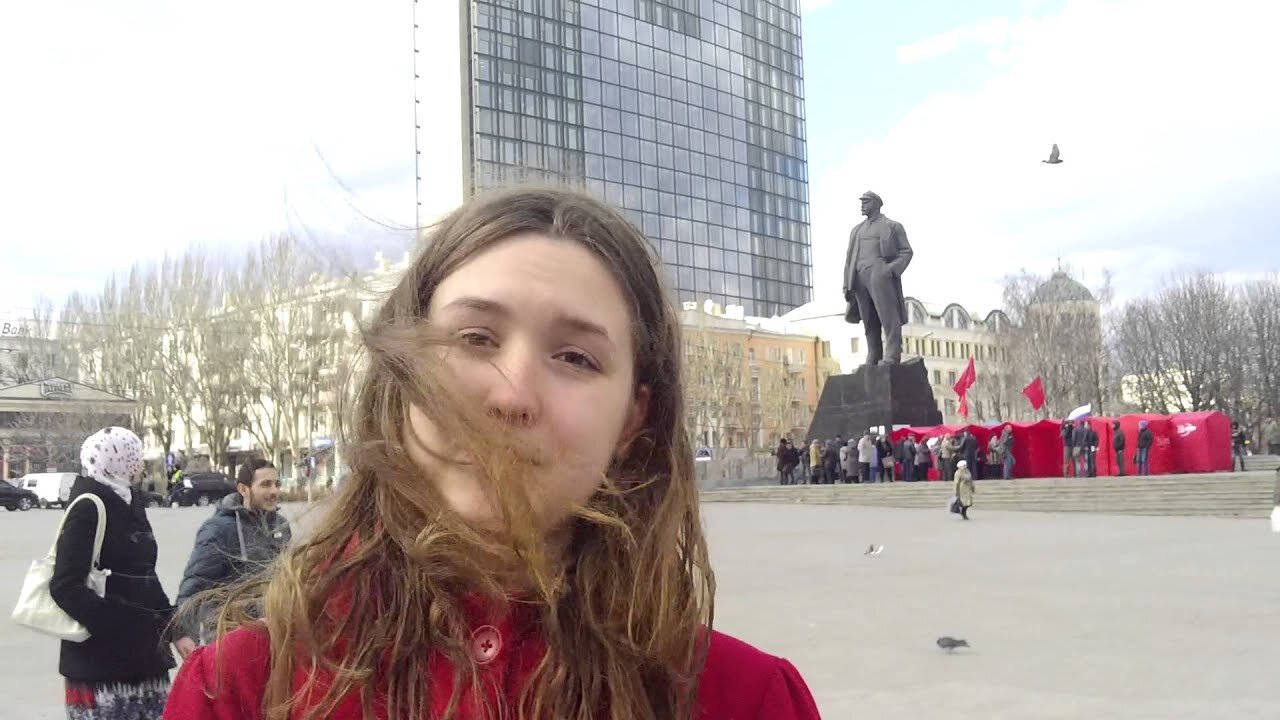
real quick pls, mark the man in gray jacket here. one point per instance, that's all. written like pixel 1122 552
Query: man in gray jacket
pixel 244 535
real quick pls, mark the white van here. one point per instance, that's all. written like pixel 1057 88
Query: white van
pixel 51 488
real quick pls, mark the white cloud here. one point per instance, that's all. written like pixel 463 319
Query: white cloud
pixel 1161 111
pixel 987 32
pixel 808 6
pixel 141 128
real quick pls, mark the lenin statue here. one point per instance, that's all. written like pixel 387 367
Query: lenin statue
pixel 877 256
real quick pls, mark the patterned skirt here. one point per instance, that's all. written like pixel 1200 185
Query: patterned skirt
pixel 117 701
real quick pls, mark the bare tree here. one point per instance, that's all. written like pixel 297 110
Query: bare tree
pixel 997 395
pixel 1056 332
pixel 715 388
pixel 779 400
pixel 275 304
pixel 36 349
pixel 1260 302
pixel 1200 343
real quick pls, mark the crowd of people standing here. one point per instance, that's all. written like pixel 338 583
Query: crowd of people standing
pixel 875 458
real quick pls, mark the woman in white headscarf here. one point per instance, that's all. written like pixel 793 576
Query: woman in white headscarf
pixel 122 670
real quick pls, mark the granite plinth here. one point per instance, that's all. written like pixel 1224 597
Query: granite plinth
pixel 875 395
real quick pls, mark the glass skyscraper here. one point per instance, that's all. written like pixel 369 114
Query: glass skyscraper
pixel 689 114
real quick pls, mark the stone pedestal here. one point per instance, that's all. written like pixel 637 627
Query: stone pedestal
pixel 875 395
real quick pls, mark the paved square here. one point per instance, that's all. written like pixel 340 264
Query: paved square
pixel 1070 616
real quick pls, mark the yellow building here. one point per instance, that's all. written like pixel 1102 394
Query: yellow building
pixel 749 381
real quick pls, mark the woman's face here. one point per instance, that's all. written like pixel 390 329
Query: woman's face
pixel 544 343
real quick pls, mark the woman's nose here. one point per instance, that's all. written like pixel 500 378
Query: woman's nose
pixel 514 393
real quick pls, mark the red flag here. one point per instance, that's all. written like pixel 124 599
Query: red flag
pixel 966 381
pixel 964 407
pixel 1035 393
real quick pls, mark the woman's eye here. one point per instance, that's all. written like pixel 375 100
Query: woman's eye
pixel 579 359
pixel 475 339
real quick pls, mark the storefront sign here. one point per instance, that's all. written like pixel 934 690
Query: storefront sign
pixel 55 390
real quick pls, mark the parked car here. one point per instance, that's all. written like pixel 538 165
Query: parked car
pixel 52 489
pixel 201 489
pixel 16 498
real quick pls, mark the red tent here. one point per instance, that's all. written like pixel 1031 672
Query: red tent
pixel 1188 442
pixel 1163 460
pixel 1202 442
pixel 1037 446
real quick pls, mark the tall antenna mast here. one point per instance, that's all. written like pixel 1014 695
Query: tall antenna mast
pixel 417 128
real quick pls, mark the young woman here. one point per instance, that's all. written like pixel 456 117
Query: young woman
pixel 122 670
pixel 520 536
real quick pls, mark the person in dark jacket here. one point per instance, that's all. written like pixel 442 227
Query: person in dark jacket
pixel 122 670
pixel 1006 453
pixel 244 535
pixel 1079 448
pixel 884 454
pixel 924 459
pixel 1091 450
pixel 1068 457
pixel 1239 439
pixel 1143 457
pixel 1117 444
pixel 969 453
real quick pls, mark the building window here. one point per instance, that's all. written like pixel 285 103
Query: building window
pixel 937 377
pixel 755 389
pixel 949 408
pixel 853 344
pixel 751 354
pixel 951 378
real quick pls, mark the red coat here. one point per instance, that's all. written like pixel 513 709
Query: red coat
pixel 739 682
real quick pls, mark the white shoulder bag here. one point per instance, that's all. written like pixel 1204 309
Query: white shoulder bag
pixel 36 608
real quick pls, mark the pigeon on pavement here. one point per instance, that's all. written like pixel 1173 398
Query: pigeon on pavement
pixel 874 550
pixel 1053 156
pixel 950 643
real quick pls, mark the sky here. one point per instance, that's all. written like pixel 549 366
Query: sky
pixel 136 129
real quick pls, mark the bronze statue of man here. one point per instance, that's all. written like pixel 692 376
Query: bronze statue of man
pixel 877 256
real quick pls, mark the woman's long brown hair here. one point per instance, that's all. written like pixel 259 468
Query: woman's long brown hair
pixel 622 613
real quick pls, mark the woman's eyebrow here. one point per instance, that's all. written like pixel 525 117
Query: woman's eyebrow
pixel 569 320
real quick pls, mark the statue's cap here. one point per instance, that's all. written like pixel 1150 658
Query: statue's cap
pixel 868 195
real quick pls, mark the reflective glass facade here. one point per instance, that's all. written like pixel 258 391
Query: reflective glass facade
pixel 689 114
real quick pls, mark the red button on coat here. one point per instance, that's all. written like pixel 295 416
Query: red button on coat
pixel 486 642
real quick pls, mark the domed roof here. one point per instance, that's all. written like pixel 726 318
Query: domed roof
pixel 1061 287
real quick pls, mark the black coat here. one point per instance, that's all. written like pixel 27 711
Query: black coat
pixel 127 640
pixel 1117 440
pixel 1080 436
pixel 1145 438
pixel 969 449
pixel 233 543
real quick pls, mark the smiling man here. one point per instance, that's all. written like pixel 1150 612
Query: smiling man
pixel 245 533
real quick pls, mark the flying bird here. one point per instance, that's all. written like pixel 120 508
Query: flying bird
pixel 1053 156
pixel 950 643
pixel 874 550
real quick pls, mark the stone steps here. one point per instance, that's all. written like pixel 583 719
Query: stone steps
pixel 1262 462
pixel 1249 494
